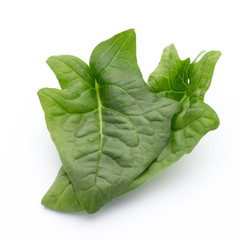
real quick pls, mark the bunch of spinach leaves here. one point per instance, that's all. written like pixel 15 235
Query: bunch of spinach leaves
pixel 114 132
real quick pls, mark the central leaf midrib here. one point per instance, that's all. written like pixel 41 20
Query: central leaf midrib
pixel 100 128
pixel 115 55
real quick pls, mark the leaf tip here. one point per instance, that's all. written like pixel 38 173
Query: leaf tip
pixel 172 45
pixel 39 92
pixel 49 60
pixel 130 30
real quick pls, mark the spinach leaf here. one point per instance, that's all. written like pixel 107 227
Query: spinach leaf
pixel 186 83
pixel 61 195
pixel 106 125
pixel 175 79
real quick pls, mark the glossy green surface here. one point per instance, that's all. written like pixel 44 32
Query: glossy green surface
pixel 111 132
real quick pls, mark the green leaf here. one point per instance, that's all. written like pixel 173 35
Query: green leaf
pixel 106 125
pixel 61 196
pixel 195 119
pixel 170 78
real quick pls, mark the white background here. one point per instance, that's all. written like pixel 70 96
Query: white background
pixel 196 198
